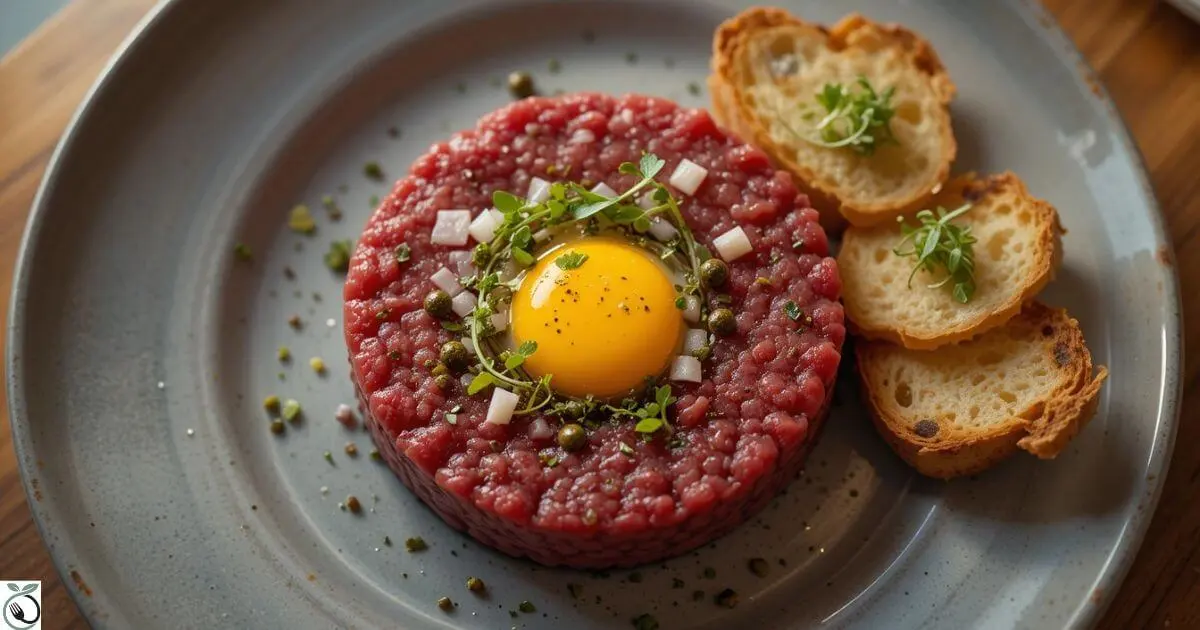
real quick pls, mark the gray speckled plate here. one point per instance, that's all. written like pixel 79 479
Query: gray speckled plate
pixel 140 349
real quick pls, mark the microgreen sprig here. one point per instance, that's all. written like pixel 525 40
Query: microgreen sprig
pixel 938 244
pixel 858 119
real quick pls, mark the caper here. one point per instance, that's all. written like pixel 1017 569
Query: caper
pixel 572 437
pixel 455 356
pixel 722 322
pixel 714 272
pixel 481 255
pixel 520 84
pixel 443 381
pixel 437 304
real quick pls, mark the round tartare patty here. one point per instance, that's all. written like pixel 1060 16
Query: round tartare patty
pixel 740 435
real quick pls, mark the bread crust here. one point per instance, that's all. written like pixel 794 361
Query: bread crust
pixel 1047 254
pixel 1043 429
pixel 732 110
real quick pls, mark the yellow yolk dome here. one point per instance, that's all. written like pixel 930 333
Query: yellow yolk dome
pixel 601 327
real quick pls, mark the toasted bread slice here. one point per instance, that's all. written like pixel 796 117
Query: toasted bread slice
pixel 1019 249
pixel 963 408
pixel 767 67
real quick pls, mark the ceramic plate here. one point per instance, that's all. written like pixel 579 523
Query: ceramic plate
pixel 141 348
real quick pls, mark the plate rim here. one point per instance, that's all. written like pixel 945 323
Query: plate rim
pixel 1122 554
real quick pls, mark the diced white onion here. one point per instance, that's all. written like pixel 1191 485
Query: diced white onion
pixel 539 190
pixel 509 271
pixel 463 303
pixel 466 379
pixel 451 228
pixel 662 229
pixel 541 236
pixel 733 244
pixel 695 339
pixel 626 115
pixel 688 176
pixel 447 281
pixel 461 259
pixel 582 136
pixel 469 345
pixel 499 321
pixel 483 228
pixel 503 404
pixel 604 190
pixel 646 201
pixel 691 312
pixel 685 368
pixel 540 430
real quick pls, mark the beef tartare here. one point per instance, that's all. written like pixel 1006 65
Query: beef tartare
pixel 619 359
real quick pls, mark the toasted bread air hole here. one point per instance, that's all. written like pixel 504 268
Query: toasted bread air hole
pixel 1003 210
pixel 973 412
pixel 1007 396
pixel 1025 217
pixel 881 255
pixel 997 243
pixel 903 394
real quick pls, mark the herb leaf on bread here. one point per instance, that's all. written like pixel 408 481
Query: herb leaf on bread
pixel 938 244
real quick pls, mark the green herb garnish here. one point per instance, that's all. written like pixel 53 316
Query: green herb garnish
pixel 573 205
pixel 653 416
pixel 242 252
pixel 331 207
pixel 338 256
pixel 645 621
pixel 792 310
pixel 524 351
pixel 301 220
pixel 859 119
pixel 373 171
pixel 291 410
pixel 938 244
pixel 571 260
pixel 403 252
pixel 414 544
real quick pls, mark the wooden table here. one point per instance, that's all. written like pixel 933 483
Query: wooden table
pixel 1145 51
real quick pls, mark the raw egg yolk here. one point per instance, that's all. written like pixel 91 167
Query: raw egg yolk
pixel 601 328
